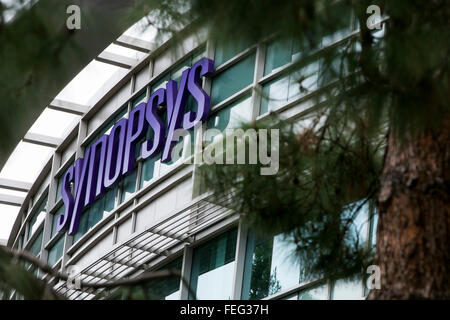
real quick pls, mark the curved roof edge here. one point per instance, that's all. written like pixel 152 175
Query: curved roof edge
pixel 93 37
pixel 109 88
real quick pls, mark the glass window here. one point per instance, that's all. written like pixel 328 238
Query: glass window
pixel 333 66
pixel 347 290
pixel 301 46
pixel 213 267
pixel 35 248
pixel 336 36
pixel 275 94
pixel 83 226
pixel 286 88
pixel 38 217
pixel 270 266
pixel 59 188
pixel 227 50
pixel 110 200
pixel 341 29
pixel 283 51
pixel 54 219
pixel 303 81
pixel 128 186
pixel 94 213
pixel 316 293
pixel 176 73
pixel 161 83
pixel 106 129
pixel 233 79
pixel 55 252
pixel 148 170
pixel 278 53
pixel 232 116
pixel 140 98
pixel 168 288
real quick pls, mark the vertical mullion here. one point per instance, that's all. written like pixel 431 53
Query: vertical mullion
pixel 27 224
pixel 259 73
pixel 241 246
pixel 186 272
pixel 330 289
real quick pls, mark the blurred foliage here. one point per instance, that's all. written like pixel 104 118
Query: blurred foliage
pixel 263 281
pixel 16 279
pixel 322 170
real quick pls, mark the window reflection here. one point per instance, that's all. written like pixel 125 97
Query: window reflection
pixel 285 88
pixel 347 290
pixel 233 80
pixel 38 217
pixel 270 266
pixel 213 268
pixel 232 116
pixel 275 94
pixel 283 51
pixel 316 293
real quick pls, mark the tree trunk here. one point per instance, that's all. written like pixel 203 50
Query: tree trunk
pixel 413 235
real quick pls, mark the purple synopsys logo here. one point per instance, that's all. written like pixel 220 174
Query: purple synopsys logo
pixel 113 156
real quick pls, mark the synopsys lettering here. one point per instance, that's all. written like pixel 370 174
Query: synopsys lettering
pixel 112 156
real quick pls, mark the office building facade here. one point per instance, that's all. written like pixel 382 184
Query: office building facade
pixel 158 215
